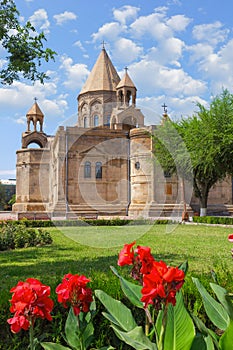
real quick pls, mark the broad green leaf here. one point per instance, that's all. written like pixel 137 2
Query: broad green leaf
pixel 135 338
pixel 119 313
pixel 53 346
pixel 180 330
pixel 71 330
pixel 223 297
pixel 132 291
pixel 88 334
pixel 226 340
pixel 199 343
pixel 215 311
pixel 106 348
pixel 202 342
pixel 210 337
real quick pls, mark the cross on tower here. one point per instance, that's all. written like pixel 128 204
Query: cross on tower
pixel 164 108
pixel 103 44
pixel 35 99
pixel 126 69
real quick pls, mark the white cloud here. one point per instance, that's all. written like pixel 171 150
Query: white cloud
pixel 153 25
pixel 20 96
pixel 168 52
pixel 178 23
pixel 79 45
pixel 76 74
pixel 125 13
pixel 216 67
pixel 212 33
pixel 65 17
pixel 158 25
pixel 177 107
pixel 40 20
pixel 109 31
pixel 154 78
pixel 199 51
pixel 126 51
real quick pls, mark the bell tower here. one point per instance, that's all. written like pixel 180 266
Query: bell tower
pixel 126 91
pixel 32 167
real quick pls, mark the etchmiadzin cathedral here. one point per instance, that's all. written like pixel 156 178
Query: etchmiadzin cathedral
pixel 104 165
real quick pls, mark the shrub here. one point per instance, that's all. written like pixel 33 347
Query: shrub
pixel 19 236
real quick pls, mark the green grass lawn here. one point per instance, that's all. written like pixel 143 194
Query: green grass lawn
pixel 90 250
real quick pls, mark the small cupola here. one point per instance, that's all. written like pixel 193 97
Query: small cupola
pixel 35 116
pixel 126 91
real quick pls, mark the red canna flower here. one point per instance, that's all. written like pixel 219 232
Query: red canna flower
pixel 161 284
pixel 230 238
pixel 126 255
pixel 30 300
pixel 145 258
pixel 74 291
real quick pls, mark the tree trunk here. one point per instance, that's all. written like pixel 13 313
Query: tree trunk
pixel 203 211
pixel 203 201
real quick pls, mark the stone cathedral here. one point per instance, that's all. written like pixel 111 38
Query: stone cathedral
pixel 102 166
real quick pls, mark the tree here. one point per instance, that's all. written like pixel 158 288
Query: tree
pixel 208 138
pixel 2 197
pixel 24 47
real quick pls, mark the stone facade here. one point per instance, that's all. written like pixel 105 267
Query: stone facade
pixel 105 164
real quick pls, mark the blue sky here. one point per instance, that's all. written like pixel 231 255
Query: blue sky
pixel 177 52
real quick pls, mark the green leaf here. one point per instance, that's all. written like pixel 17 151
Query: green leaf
pixel 226 340
pixel 223 297
pixel 180 330
pixel 118 313
pixel 199 343
pixel 87 334
pixel 72 330
pixel 53 346
pixel 208 334
pixel 184 267
pixel 131 290
pixel 214 310
pixel 135 338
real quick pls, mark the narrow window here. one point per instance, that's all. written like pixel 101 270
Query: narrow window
pixel 108 120
pixel 87 170
pixel 85 122
pixel 96 120
pixel 98 170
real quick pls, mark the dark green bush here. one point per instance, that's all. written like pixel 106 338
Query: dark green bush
pixel 223 220
pixel 19 236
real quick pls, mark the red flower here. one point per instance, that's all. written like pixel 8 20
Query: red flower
pixel 161 284
pixel 74 291
pixel 126 255
pixel 30 300
pixel 230 238
pixel 146 259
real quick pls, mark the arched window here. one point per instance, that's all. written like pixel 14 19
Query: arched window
pixel 98 170
pixel 96 120
pixel 85 123
pixel 87 170
pixel 108 120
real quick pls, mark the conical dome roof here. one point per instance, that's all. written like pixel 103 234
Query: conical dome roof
pixel 35 110
pixel 103 76
pixel 126 81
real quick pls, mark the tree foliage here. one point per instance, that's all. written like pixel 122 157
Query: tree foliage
pixel 24 47
pixel 2 197
pixel 207 138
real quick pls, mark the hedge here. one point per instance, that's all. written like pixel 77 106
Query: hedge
pixel 223 220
